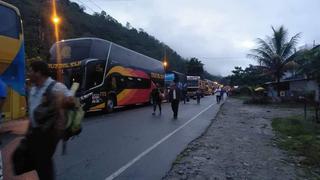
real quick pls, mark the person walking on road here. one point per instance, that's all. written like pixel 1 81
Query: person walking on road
pixel 3 96
pixel 156 99
pixel 218 94
pixel 174 98
pixel 184 93
pixel 222 92
pixel 198 95
pixel 47 101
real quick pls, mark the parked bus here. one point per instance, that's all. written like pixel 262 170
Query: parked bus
pixel 109 75
pixel 194 83
pixel 12 61
pixel 209 85
pixel 177 77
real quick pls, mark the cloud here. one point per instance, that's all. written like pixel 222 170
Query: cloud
pixel 215 28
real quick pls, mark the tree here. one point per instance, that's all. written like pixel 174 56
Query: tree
pixel 274 52
pixel 309 61
pixel 250 76
pixel 195 67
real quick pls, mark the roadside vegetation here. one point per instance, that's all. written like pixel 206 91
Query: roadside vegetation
pixel 301 138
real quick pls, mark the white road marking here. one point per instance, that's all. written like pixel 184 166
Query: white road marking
pixel 130 163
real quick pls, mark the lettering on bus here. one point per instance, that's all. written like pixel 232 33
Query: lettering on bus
pixel 65 65
pixel 157 76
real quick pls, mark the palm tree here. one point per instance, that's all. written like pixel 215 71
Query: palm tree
pixel 273 53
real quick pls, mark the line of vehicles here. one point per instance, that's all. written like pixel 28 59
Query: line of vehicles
pixel 108 74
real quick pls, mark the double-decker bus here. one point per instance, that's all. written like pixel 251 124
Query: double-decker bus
pixel 109 74
pixel 12 61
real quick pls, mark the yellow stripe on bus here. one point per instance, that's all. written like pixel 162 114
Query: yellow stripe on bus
pixel 8 51
pixel 123 71
pixel 98 107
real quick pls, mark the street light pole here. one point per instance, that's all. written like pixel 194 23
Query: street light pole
pixel 56 21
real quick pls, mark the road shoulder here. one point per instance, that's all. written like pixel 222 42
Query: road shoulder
pixel 239 144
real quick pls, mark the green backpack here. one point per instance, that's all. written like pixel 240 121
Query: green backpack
pixel 74 120
pixel 74 123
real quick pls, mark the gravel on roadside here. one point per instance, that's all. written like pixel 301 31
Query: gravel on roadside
pixel 239 144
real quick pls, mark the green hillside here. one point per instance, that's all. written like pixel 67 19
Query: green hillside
pixel 76 23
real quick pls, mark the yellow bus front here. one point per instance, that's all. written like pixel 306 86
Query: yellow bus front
pixel 12 61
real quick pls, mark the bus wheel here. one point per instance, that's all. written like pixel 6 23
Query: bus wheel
pixel 110 104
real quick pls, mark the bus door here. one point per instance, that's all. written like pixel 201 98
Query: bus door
pixel 94 80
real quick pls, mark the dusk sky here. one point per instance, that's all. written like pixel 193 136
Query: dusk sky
pixel 219 33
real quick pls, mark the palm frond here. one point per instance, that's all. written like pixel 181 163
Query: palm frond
pixel 288 49
pixel 279 38
pixel 265 46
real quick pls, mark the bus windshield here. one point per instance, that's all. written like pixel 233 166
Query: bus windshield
pixel 193 83
pixel 9 23
pixel 71 51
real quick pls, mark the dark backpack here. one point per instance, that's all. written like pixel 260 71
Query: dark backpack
pixel 45 114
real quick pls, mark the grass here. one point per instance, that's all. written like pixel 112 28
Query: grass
pixel 299 137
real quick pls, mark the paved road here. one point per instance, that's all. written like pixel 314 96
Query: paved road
pixel 132 143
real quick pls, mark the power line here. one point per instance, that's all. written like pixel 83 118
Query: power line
pixel 222 58
pixel 96 5
pixel 85 6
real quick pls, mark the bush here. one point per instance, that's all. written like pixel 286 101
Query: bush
pixel 300 137
pixel 258 100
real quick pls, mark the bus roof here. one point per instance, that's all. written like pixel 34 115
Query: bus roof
pixel 119 54
pixel 99 39
pixel 193 77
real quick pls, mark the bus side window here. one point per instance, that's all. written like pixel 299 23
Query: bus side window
pixel 121 83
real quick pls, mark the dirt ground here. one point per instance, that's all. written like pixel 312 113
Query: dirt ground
pixel 239 144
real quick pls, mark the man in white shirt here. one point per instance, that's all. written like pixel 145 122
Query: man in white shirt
pixel 47 124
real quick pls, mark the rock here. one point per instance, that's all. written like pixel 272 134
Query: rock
pixel 180 172
pixel 208 157
pixel 199 158
pixel 245 164
pixel 184 177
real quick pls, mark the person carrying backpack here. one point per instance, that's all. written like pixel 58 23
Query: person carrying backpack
pixel 156 99
pixel 48 103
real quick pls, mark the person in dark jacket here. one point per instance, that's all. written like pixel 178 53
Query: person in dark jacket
pixel 174 98
pixel 45 129
pixel 156 99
